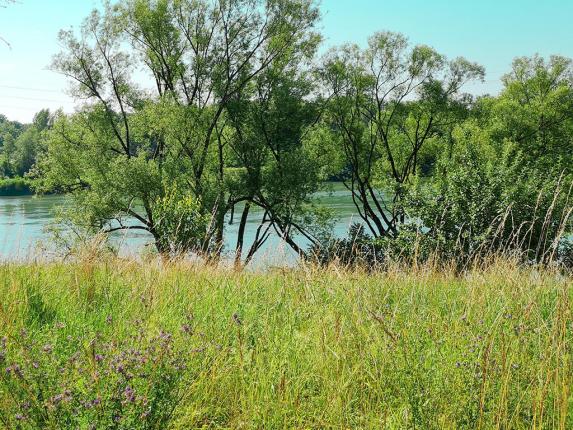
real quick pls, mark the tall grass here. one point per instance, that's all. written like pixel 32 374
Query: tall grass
pixel 118 344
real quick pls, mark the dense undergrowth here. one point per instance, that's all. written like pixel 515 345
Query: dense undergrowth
pixel 116 344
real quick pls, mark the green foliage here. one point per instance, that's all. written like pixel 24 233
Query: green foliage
pixel 16 186
pixel 179 221
pixel 239 116
pixel 26 151
pixel 504 183
pixel 219 67
pixel 535 111
pixel 386 104
pixel 118 192
pixel 21 145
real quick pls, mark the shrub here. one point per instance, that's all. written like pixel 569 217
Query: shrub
pixel 483 202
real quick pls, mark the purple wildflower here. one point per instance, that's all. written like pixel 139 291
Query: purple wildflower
pixel 129 394
pixel 164 336
pixel 57 399
pixel 14 369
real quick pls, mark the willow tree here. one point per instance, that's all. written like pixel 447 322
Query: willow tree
pixel 153 137
pixel 386 103
pixel 278 169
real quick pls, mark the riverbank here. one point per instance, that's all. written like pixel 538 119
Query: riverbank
pixel 12 187
pixel 180 346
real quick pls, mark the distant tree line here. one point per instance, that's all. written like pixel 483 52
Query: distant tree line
pixel 21 144
pixel 235 111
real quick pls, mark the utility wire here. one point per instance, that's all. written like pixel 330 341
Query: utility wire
pixel 7 98
pixel 30 89
pixel 30 109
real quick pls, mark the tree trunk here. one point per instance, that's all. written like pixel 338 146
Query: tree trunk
pixel 241 235
pixel 219 233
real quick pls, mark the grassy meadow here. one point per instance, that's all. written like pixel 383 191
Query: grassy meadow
pixel 118 344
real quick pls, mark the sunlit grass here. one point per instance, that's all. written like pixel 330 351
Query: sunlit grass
pixel 304 348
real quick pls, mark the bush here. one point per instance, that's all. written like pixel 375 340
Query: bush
pixel 483 202
pixel 180 225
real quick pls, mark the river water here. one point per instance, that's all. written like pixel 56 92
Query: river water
pixel 24 222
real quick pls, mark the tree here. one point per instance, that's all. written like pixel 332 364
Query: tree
pixel 485 202
pixel 505 185
pixel 535 111
pixel 7 155
pixel 199 55
pixel 278 169
pixel 43 120
pixel 29 144
pixel 20 145
pixel 25 151
pixel 386 103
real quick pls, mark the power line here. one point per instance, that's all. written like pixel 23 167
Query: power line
pixel 30 109
pixel 30 89
pixel 33 99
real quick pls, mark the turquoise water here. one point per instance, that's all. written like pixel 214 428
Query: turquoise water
pixel 23 223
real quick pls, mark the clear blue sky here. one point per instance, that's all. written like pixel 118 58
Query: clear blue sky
pixel 491 32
